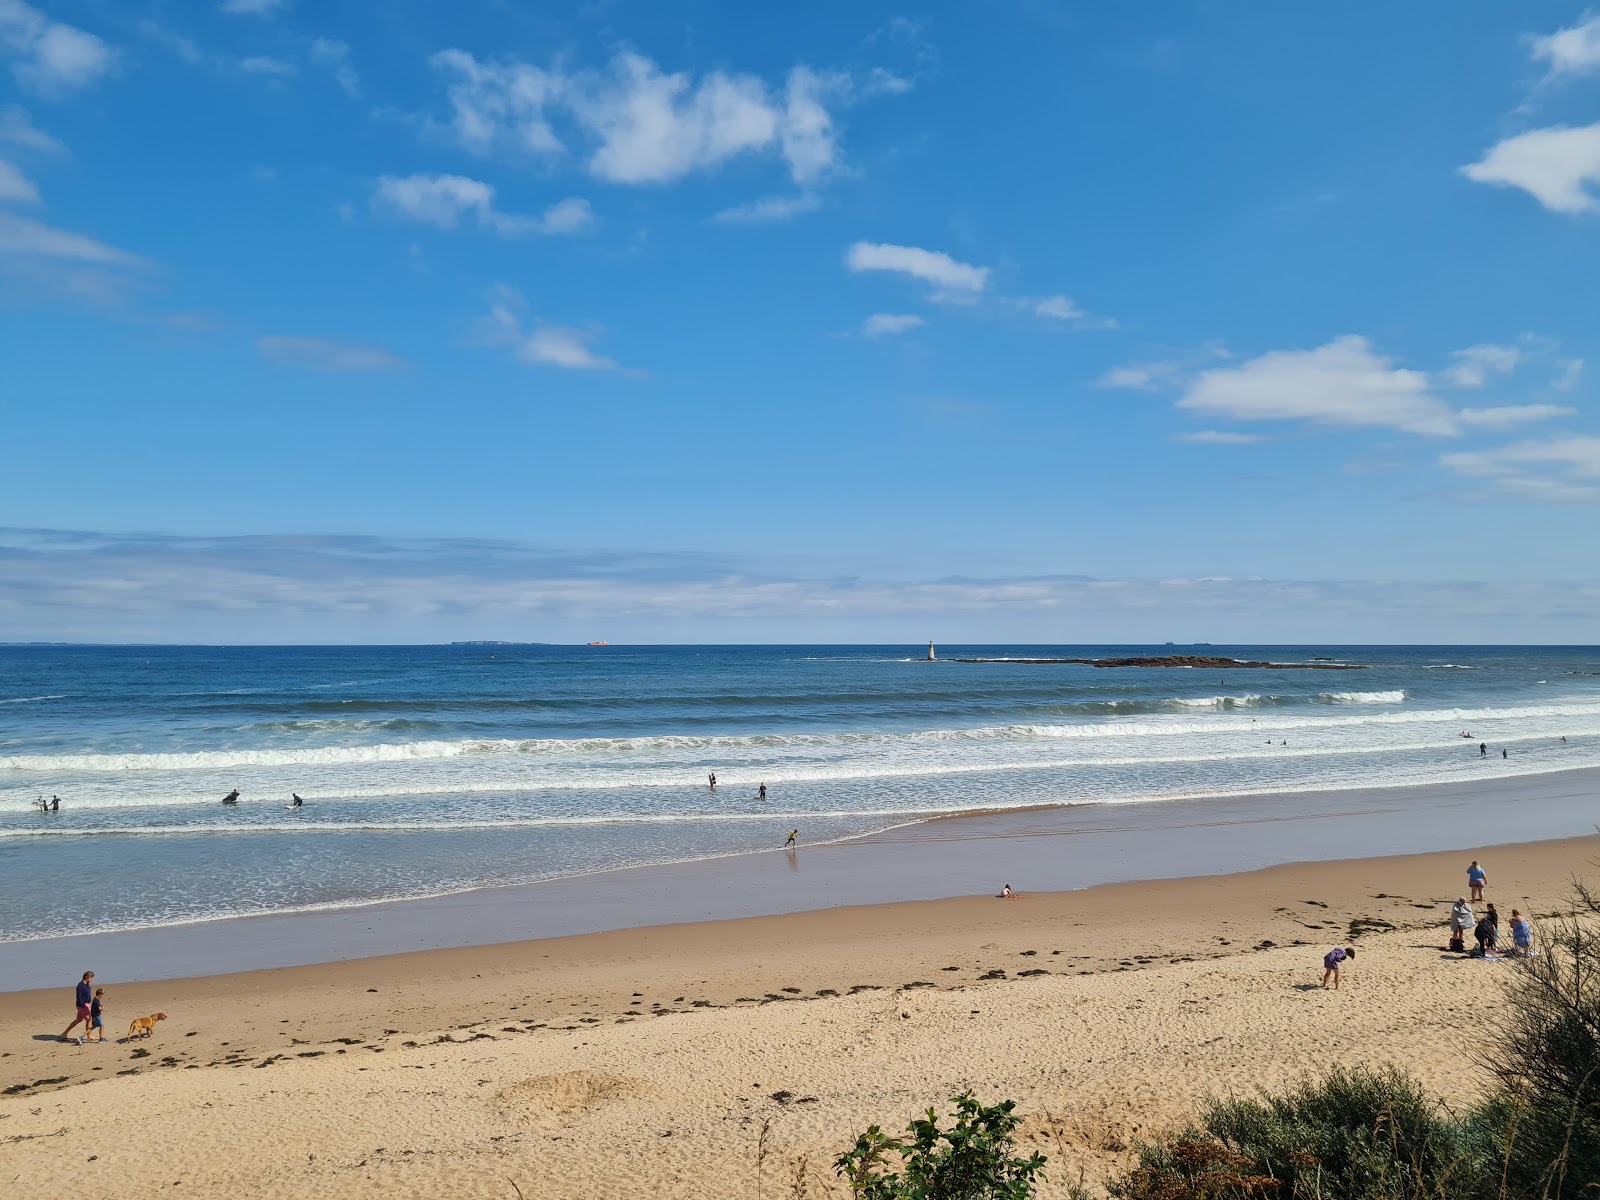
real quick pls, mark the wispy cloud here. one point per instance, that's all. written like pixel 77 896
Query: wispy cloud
pixel 50 57
pixel 253 8
pixel 334 56
pixel 444 200
pixel 1572 51
pixel 320 354
pixel 17 129
pixel 1214 437
pixel 769 209
pixel 1561 469
pixel 949 278
pixel 540 343
pixel 885 324
pixel 1474 365
pixel 1507 416
pixel 332 588
pixel 15 187
pixel 263 64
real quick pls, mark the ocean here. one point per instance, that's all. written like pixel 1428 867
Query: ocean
pixel 428 770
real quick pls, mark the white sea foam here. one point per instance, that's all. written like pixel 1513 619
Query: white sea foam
pixel 687 748
pixel 1248 700
pixel 31 699
pixel 1394 697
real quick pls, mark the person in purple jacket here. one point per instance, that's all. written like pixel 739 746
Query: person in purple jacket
pixel 1333 960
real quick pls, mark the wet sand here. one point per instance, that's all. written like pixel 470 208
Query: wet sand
pixel 1035 850
pixel 646 1061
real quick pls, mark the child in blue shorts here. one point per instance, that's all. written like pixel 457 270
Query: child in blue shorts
pixel 97 1016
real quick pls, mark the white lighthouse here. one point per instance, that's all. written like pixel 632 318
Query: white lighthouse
pixel 932 657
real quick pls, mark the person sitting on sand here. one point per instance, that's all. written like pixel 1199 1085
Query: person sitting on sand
pixel 1521 935
pixel 793 833
pixel 1005 892
pixel 1333 960
pixel 1462 919
pixel 1476 880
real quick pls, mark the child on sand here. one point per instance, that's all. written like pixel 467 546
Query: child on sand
pixel 1005 892
pixel 97 1016
pixel 1333 960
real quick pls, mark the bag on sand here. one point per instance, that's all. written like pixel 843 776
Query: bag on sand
pixel 1458 944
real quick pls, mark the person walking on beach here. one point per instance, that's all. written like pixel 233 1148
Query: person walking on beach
pixel 84 996
pixel 1461 920
pixel 1333 960
pixel 1476 880
pixel 97 1016
pixel 793 833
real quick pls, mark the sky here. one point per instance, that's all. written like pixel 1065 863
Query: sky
pixel 1014 321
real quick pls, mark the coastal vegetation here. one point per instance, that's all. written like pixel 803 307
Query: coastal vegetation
pixel 1356 1133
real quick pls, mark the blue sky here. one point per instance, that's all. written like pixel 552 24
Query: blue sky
pixel 677 321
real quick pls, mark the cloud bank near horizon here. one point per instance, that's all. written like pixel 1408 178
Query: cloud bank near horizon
pixel 86 586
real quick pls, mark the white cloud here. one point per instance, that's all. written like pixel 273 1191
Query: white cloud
pixel 1555 469
pixel 1571 51
pixel 24 236
pixel 1343 384
pixel 949 278
pixel 645 125
pixel 1571 372
pixel 1065 309
pixel 564 346
pixel 1507 416
pixel 444 200
pixel 882 324
pixel 321 354
pixel 769 208
pixel 52 58
pixel 15 186
pixel 543 344
pixel 1060 308
pixel 1214 437
pixel 262 64
pixel 1141 377
pixel 1556 166
pixel 1475 364
pixel 329 587
pixel 253 8
pixel 335 56
pixel 17 129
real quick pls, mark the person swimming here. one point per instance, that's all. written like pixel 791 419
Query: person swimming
pixel 232 797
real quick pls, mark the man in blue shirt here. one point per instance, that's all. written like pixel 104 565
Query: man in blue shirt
pixel 84 996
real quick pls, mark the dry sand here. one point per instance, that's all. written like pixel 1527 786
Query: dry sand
pixel 646 1063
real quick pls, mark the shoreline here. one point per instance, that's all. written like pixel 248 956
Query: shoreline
pixel 1038 849
pixel 648 1061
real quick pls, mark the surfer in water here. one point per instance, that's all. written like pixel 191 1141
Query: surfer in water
pixel 232 797
pixel 761 792
pixel 55 803
pixel 713 778
pixel 295 801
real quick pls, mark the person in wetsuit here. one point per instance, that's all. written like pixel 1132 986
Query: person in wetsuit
pixel 232 797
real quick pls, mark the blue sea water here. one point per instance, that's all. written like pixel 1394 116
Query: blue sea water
pixel 434 769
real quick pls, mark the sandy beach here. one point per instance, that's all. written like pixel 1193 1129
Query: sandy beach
pixel 648 1061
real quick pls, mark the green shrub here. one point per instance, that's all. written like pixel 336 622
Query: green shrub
pixel 1353 1135
pixel 974 1159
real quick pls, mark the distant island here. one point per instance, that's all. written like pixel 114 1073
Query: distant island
pixel 1173 660
pixel 489 643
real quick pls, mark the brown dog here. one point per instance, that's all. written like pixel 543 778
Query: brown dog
pixel 144 1026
